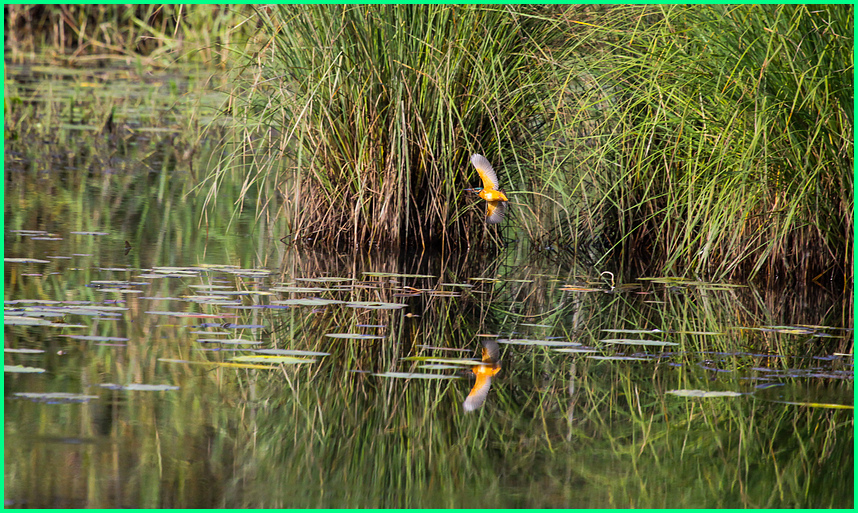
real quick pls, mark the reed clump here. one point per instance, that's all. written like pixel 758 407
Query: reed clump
pixel 159 34
pixel 724 138
pixel 652 134
pixel 367 115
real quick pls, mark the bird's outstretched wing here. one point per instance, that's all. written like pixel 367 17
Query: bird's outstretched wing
pixel 495 211
pixel 491 351
pixel 487 173
pixel 479 393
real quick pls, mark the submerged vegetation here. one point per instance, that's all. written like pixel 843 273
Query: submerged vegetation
pixel 652 133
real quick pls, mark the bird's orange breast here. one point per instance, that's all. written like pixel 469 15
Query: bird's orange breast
pixel 493 195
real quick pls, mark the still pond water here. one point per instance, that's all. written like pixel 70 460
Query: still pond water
pixel 214 366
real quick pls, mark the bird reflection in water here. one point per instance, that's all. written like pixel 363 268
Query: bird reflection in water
pixel 484 372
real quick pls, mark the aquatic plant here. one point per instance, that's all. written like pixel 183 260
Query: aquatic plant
pixel 724 145
pixel 646 133
pixel 156 34
pixel 367 115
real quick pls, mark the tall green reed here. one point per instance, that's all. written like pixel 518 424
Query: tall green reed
pixel 367 115
pixel 726 145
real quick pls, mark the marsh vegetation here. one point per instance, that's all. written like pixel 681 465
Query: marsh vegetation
pixel 165 348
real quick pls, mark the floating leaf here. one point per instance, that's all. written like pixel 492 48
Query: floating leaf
pixel 371 305
pixel 638 342
pixel 272 359
pixel 546 343
pixel 89 233
pixel 620 358
pixel 20 369
pixel 290 352
pixel 414 375
pixel 26 261
pixel 96 338
pixel 139 387
pixel 356 336
pixel 576 350
pixel 704 393
pixel 19 320
pixel 22 350
pixel 308 302
pixel 437 366
pixel 220 364
pixel 622 330
pixel 818 405
pixel 228 341
pixel 55 397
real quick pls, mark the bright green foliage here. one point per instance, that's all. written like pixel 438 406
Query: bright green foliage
pixel 374 111
pixel 692 140
pixel 729 143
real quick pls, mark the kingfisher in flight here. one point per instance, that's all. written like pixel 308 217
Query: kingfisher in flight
pixel 496 201
pixel 484 372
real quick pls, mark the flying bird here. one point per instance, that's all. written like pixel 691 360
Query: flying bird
pixel 484 372
pixel 496 201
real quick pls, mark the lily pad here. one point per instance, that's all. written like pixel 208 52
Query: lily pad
pixel 308 302
pixel 20 320
pixel 96 338
pixel 20 369
pixel 139 387
pixel 228 341
pixel 620 358
pixel 55 397
pixel 545 343
pixel 704 393
pixel 370 305
pixel 290 352
pixel 638 331
pixel 414 375
pixel 272 359
pixel 438 366
pixel 638 342
pixel 355 336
